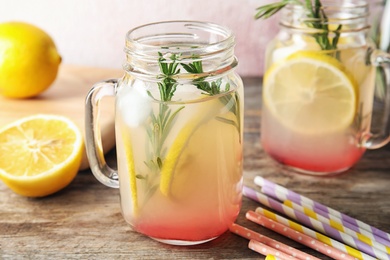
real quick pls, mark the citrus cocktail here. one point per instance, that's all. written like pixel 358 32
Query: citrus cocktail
pixel 178 128
pixel 191 190
pixel 318 86
pixel 317 108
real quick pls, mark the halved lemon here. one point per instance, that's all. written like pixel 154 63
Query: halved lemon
pixel 40 154
pixel 310 93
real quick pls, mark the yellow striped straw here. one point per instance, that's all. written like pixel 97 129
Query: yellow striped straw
pixel 315 224
pixel 331 242
pixel 339 226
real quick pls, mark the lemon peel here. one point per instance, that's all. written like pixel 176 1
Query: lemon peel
pixel 29 60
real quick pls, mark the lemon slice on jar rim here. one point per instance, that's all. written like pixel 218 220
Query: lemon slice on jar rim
pixel 310 93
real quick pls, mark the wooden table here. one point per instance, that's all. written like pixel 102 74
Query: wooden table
pixel 84 220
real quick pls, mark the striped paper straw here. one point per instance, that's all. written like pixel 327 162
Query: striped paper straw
pixel 261 198
pixel 270 191
pixel 336 221
pixel 267 250
pixel 252 235
pixel 297 236
pixel 346 227
pixel 297 198
pixel 378 250
pixel 313 234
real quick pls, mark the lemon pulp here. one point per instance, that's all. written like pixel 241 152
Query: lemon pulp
pixel 311 93
pixel 40 154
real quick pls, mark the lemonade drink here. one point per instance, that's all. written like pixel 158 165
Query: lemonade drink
pixel 318 86
pixel 178 129
pixel 313 131
pixel 198 194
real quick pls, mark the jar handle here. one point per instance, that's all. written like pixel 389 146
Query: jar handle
pixel 373 141
pixel 104 173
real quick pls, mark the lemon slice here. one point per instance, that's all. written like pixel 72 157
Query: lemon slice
pixel 40 154
pixel 310 93
pixel 208 110
pixel 131 171
pixel 172 158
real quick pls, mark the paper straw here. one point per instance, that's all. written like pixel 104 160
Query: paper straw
pixel 346 227
pixel 375 250
pixel 252 235
pixel 297 198
pixel 261 198
pixel 298 236
pixel 309 210
pixel 267 250
pixel 313 234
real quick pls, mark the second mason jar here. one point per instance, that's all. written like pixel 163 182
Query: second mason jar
pixel 318 87
pixel 179 121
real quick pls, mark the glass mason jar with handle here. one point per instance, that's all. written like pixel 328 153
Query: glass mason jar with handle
pixel 178 127
pixel 318 87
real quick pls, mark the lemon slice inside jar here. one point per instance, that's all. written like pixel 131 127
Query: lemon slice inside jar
pixel 310 93
pixel 207 111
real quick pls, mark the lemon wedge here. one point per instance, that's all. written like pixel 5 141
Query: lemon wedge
pixel 40 154
pixel 311 93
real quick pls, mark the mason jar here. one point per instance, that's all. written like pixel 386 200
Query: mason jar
pixel 179 132
pixel 318 88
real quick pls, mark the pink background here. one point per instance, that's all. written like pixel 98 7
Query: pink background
pixel 91 32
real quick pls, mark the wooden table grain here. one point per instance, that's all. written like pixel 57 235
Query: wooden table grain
pixel 84 220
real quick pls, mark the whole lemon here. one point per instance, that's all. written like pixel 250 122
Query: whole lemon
pixel 29 60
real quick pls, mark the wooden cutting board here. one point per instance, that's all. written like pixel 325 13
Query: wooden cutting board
pixel 67 97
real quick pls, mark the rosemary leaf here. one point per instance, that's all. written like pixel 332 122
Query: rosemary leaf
pixel 227 121
pixel 269 10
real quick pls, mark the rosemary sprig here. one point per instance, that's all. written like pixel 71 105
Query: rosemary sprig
pixel 313 10
pixel 266 11
pixel 168 69
pixel 209 88
pixel 163 122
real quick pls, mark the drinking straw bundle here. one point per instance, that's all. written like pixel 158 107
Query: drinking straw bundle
pixel 339 236
pixel 297 236
pixel 279 192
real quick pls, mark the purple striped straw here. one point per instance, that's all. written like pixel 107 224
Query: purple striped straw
pixel 362 234
pixel 279 191
pixel 315 224
pixel 338 226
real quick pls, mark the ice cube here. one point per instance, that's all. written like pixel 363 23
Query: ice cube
pixel 134 104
